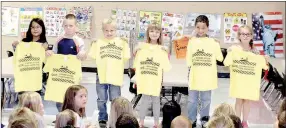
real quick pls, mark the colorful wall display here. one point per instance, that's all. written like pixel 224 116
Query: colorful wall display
pixel 26 15
pixel 146 18
pixel 172 24
pixel 126 22
pixel 54 17
pixel 232 22
pixel 84 19
pixel 268 33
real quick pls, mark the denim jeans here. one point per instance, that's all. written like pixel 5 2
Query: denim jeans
pixel 103 90
pixel 193 103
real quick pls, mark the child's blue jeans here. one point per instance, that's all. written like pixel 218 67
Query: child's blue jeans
pixel 103 90
pixel 193 103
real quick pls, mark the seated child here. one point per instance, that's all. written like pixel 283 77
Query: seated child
pixel 181 122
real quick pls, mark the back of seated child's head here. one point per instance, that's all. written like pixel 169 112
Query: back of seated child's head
pixel 127 121
pixel 66 119
pixel 181 122
pixel 225 109
pixel 33 101
pixel 22 117
pixel 221 121
pixel 170 110
pixel 119 106
pixel 236 121
pixel 282 119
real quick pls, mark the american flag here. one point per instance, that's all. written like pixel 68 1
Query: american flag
pixel 274 20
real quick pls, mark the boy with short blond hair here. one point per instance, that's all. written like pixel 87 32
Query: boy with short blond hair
pixel 110 53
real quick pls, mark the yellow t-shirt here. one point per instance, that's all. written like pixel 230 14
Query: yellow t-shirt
pixel 245 74
pixel 150 64
pixel 64 71
pixel 110 56
pixel 202 54
pixel 28 61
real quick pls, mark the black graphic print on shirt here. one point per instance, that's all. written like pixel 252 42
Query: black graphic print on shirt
pixel 149 67
pixel 29 63
pixel 201 58
pixel 111 51
pixel 63 74
pixel 243 66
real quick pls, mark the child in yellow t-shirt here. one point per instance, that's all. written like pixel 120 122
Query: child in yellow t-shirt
pixel 110 53
pixel 36 33
pixel 202 53
pixel 150 62
pixel 245 36
pixel 69 43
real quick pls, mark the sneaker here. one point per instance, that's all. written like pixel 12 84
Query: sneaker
pixel 102 124
pixel 194 125
pixel 204 121
pixel 244 124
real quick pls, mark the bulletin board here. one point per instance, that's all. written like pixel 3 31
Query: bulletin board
pixel 102 10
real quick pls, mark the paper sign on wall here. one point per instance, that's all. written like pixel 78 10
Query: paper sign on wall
pixel 10 18
pixel 126 22
pixel 54 17
pixel 172 24
pixel 232 22
pixel 146 18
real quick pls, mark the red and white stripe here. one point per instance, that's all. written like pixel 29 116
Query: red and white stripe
pixel 274 19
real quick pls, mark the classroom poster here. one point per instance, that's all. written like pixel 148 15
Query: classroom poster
pixel 10 17
pixel 214 24
pixel 84 19
pixel 232 22
pixel 126 22
pixel 146 18
pixel 268 33
pixel 172 24
pixel 26 15
pixel 54 17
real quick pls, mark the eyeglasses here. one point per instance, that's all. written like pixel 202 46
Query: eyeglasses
pixel 245 34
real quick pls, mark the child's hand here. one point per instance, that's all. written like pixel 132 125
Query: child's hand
pixel 82 55
pixel 216 40
pixel 45 45
pixel 49 53
pixel 188 36
pixel 15 43
pixel 90 126
pixel 267 58
pixel 164 48
pixel 124 39
pixel 136 50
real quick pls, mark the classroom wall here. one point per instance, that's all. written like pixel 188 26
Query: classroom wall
pixel 103 10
